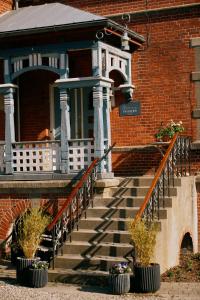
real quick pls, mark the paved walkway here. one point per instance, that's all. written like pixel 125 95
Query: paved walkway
pixel 9 290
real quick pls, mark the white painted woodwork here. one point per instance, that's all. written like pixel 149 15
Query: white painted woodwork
pixel 36 156
pixel 81 154
pixel 2 157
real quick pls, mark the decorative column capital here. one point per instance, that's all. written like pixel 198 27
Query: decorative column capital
pixel 98 96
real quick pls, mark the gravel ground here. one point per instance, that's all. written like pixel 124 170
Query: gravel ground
pixel 9 290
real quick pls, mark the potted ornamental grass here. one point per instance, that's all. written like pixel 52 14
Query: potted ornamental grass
pixel 166 133
pixel 30 229
pixel 143 237
pixel 119 278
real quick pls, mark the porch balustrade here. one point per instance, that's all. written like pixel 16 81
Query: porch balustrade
pixel 81 153
pixel 41 156
pixel 44 156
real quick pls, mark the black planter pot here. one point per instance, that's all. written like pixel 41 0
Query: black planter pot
pixel 147 279
pixel 22 266
pixel 119 283
pixel 37 278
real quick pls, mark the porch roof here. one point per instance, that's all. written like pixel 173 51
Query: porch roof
pixel 52 16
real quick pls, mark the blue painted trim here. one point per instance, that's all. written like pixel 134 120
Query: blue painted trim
pixel 54 70
pixel 49 48
pixel 98 81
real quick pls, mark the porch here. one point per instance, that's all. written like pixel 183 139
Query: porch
pixel 57 89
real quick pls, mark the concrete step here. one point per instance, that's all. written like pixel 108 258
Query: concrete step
pixel 111 236
pixel 81 277
pixel 76 262
pixel 136 191
pixel 93 249
pixel 105 224
pixel 127 201
pixel 118 212
pixel 136 181
pixel 144 181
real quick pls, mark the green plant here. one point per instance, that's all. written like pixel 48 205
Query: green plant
pixel 169 130
pixel 170 273
pixel 120 268
pixel 196 256
pixel 31 227
pixel 189 265
pixel 40 265
pixel 143 236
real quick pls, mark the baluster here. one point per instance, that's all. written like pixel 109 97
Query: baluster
pixel 168 178
pixel 62 235
pixel 70 221
pixel 53 243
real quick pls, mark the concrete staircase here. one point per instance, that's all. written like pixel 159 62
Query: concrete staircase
pixel 102 237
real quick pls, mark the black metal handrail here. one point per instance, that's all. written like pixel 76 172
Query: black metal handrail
pixel 74 207
pixel 175 163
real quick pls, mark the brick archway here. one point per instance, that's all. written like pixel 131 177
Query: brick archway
pixel 9 215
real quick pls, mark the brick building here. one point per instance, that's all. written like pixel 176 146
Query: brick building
pixel 158 70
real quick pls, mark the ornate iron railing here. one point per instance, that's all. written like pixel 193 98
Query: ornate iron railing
pixel 74 207
pixel 175 163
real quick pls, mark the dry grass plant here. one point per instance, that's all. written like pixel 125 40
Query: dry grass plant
pixel 31 227
pixel 143 237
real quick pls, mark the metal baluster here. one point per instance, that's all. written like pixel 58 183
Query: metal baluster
pixel 62 235
pixel 168 178
pixel 53 243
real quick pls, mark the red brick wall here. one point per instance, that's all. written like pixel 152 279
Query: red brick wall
pixel 113 6
pixel 34 103
pixel 161 72
pixel 13 205
pixel 136 162
pixel 5 5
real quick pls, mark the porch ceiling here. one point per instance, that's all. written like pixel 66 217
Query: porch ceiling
pixel 52 17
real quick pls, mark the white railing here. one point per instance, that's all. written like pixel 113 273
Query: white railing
pixel 40 156
pixel 2 156
pixel 45 156
pixel 81 154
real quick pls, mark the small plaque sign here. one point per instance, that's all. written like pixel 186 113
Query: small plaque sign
pixel 130 109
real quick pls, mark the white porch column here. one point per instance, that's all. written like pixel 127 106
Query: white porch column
pixel 98 124
pixel 9 125
pixel 65 130
pixel 107 128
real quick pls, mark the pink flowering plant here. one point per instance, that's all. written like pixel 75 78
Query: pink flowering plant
pixel 120 268
pixel 169 130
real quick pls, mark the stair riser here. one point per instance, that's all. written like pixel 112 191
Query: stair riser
pixel 104 224
pixel 127 202
pixel 75 264
pixel 97 250
pixel 111 213
pixel 137 192
pixel 100 237
pixel 140 181
pixel 145 182
pixel 117 213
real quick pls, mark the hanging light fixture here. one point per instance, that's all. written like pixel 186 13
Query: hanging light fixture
pixel 125 41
